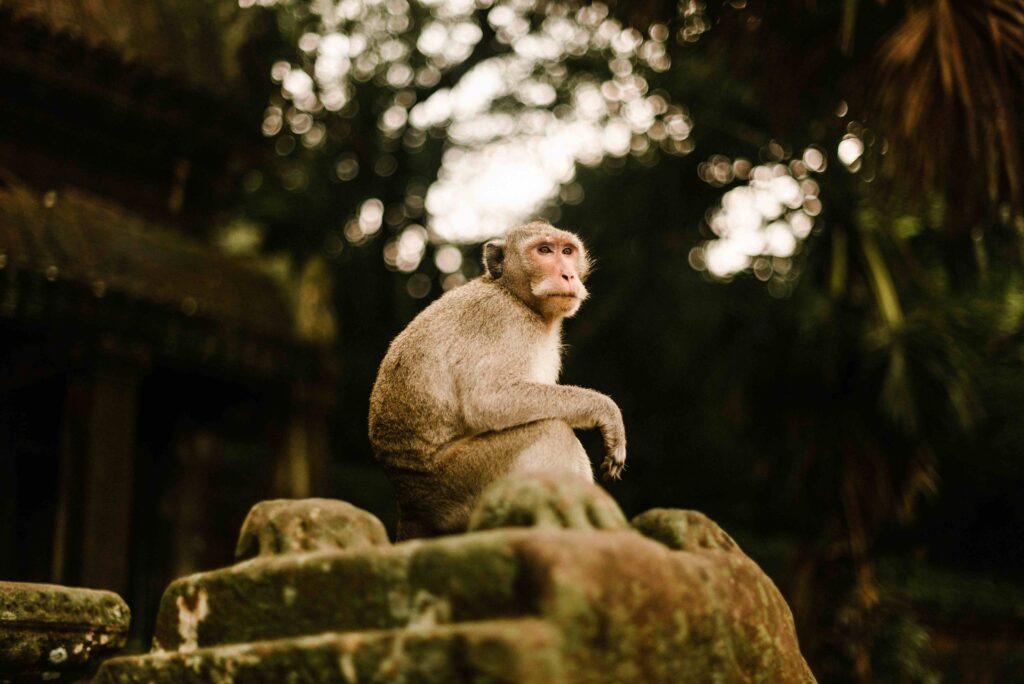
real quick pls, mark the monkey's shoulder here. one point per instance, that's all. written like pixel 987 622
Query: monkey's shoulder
pixel 481 311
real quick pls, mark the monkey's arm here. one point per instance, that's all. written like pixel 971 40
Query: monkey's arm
pixel 504 405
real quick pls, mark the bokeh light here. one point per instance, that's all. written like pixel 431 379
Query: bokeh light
pixel 516 124
pixel 850 150
pixel 761 223
pixel 448 259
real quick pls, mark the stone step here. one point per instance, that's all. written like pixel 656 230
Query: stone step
pixel 524 651
pixel 470 577
pixel 581 597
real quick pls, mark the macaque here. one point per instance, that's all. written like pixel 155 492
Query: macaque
pixel 469 391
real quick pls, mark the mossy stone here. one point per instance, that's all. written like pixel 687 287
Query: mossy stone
pixel 546 500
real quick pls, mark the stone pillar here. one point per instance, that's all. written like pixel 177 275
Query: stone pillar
pixel 302 464
pixel 99 448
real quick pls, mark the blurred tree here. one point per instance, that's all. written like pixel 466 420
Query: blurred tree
pixel 924 217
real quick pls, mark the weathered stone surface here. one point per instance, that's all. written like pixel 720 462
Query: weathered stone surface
pixel 496 652
pixel 683 530
pixel 546 500
pixel 598 603
pixel 471 577
pixel 631 610
pixel 279 596
pixel 50 632
pixel 293 526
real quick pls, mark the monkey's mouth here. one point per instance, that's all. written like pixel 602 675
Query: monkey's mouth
pixel 555 294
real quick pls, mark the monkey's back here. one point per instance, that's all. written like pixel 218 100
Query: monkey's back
pixel 415 407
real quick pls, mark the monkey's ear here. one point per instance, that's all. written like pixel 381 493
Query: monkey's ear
pixel 494 258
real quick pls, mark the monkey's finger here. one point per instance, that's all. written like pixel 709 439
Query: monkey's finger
pixel 612 468
pixel 611 475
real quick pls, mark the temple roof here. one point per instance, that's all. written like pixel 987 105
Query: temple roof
pixel 193 40
pixel 68 256
pixel 144 103
pixel 69 235
pixel 121 136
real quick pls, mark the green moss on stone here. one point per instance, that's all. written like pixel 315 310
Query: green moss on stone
pixel 52 631
pixel 553 586
pixel 498 652
pixel 546 500
pixel 475 575
pixel 289 596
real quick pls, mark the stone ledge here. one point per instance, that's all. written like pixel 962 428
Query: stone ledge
pixel 670 598
pixel 495 652
pixel 285 596
pixel 49 632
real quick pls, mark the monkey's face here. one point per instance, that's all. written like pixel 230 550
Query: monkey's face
pixel 557 264
pixel 544 266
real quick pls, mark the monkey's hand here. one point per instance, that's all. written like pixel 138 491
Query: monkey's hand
pixel 490 409
pixel 614 463
pixel 614 433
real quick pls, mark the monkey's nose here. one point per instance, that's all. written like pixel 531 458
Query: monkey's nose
pixel 568 277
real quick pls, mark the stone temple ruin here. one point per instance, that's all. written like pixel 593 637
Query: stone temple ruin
pixel 550 584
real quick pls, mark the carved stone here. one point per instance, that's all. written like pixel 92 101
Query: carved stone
pixel 546 500
pixel 294 526
pixel 578 596
pixel 683 530
pixel 49 632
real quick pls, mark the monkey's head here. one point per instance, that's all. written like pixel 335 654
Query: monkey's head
pixel 543 266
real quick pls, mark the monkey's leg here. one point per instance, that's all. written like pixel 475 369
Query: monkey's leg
pixel 552 446
pixel 440 502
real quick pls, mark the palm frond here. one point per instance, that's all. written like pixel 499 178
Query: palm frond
pixel 950 97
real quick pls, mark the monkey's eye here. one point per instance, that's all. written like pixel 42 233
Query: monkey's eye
pixel 545 249
pixel 567 251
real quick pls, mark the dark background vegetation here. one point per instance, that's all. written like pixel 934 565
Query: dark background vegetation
pixel 856 419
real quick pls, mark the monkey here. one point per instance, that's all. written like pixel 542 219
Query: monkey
pixel 468 391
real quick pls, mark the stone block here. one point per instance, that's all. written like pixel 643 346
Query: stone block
pixel 552 585
pixel 496 652
pixel 295 526
pixel 51 633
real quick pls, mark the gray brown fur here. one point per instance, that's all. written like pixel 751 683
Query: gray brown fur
pixel 468 392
